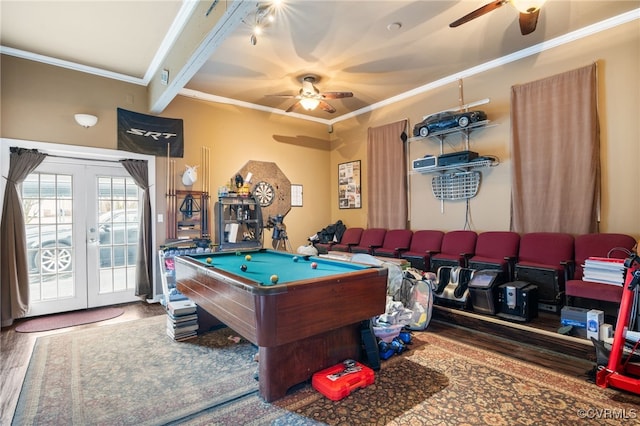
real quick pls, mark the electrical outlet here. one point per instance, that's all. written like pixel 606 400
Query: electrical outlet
pixel 164 77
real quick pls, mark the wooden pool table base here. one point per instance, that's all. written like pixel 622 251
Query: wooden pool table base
pixel 298 328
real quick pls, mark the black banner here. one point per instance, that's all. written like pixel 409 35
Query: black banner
pixel 148 134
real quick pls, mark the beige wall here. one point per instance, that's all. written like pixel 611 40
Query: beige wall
pixel 617 53
pixel 236 135
pixel 38 102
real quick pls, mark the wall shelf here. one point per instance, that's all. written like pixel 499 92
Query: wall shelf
pixel 459 167
pixel 239 223
pixel 456 181
pixel 188 215
pixel 463 130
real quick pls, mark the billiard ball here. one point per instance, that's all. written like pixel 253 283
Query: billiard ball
pixel 314 265
pixel 243 268
pixel 238 253
pixel 209 260
pixel 274 279
pixel 248 258
pixel 295 258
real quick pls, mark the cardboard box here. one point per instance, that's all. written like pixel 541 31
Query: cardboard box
pixel 595 318
pixel 574 316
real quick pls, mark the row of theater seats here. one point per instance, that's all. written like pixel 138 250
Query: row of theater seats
pixel 551 260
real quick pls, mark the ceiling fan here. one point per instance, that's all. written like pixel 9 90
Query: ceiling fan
pixel 529 11
pixel 309 97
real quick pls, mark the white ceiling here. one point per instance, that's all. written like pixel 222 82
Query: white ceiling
pixel 346 42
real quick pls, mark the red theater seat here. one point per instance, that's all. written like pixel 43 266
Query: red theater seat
pixel 424 244
pixel 456 249
pixel 597 245
pixel 396 241
pixel 543 259
pixel 372 238
pixel 350 238
pixel 496 250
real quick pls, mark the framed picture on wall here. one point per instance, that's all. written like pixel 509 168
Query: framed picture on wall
pixel 349 196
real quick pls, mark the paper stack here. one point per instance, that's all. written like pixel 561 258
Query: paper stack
pixel 182 320
pixel 604 270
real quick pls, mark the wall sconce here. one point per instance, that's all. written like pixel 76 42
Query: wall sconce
pixel 86 120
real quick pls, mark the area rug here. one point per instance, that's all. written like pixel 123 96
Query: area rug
pixel 69 319
pixel 132 373
pixel 443 382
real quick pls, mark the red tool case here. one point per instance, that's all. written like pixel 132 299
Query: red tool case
pixel 339 381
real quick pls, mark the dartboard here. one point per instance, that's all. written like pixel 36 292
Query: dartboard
pixel 264 193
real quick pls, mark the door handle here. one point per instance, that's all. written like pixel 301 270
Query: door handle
pixel 92 238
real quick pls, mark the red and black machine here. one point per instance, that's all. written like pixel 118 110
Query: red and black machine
pixel 620 372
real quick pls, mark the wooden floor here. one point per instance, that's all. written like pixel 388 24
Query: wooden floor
pixel 16 351
pixel 567 355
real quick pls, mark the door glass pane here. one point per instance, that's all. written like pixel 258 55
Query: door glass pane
pixel 47 205
pixel 118 222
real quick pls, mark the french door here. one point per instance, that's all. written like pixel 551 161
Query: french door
pixel 81 220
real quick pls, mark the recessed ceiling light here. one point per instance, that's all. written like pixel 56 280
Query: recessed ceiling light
pixel 394 26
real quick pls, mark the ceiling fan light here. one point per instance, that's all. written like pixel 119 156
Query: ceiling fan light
pixel 527 6
pixel 309 103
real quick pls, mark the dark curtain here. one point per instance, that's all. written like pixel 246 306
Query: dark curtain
pixel 387 176
pixel 556 154
pixel 139 171
pixel 14 273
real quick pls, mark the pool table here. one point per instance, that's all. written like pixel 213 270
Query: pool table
pixel 307 321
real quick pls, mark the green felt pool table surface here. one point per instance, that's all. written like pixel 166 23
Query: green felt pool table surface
pixel 265 263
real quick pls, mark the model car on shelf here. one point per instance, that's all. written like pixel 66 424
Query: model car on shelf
pixel 447 120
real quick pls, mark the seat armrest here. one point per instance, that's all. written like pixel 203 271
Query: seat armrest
pixel 464 259
pixel 432 252
pixel 511 265
pixel 569 267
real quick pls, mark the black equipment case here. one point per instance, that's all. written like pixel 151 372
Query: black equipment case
pixel 483 289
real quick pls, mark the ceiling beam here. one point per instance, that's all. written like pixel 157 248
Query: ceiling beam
pixel 208 26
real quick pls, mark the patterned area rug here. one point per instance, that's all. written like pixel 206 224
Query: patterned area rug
pixel 444 382
pixel 132 374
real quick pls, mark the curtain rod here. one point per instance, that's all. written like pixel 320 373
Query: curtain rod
pixel 15 149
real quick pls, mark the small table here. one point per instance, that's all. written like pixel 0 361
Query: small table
pixel 308 321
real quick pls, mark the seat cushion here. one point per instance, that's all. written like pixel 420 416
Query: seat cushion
pixel 596 291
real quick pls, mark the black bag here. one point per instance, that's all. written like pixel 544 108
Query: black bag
pixel 332 232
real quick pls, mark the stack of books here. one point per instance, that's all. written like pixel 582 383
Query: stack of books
pixel 182 320
pixel 604 270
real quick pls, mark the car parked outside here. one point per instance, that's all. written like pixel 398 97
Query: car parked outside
pixel 49 245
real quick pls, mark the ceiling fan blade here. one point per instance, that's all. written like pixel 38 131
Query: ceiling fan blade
pixel 326 107
pixel 292 107
pixel 478 12
pixel 528 22
pixel 336 95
